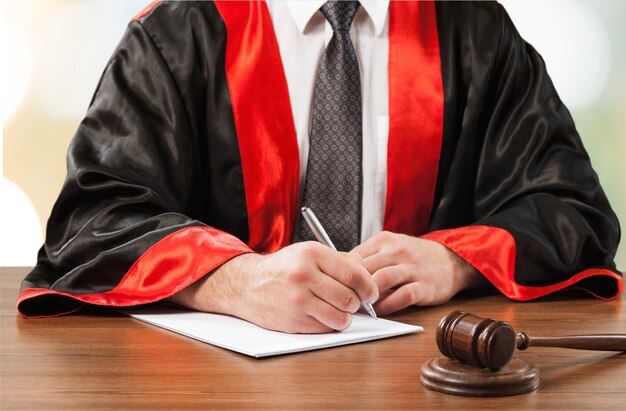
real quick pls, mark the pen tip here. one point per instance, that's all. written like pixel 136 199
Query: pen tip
pixel 371 312
pixel 303 209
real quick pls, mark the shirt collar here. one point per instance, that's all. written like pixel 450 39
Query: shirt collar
pixel 303 11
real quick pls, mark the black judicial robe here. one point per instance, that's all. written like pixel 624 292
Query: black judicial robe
pixel 188 157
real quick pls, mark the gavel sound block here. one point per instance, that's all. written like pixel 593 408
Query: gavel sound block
pixel 478 355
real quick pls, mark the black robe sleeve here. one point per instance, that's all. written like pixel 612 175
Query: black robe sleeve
pixel 120 232
pixel 539 220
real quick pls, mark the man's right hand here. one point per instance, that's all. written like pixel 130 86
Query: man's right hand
pixel 303 288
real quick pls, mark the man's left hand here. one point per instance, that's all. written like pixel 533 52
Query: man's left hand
pixel 413 271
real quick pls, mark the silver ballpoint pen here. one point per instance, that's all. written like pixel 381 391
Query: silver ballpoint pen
pixel 319 233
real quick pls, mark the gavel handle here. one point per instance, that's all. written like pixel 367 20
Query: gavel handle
pixel 598 342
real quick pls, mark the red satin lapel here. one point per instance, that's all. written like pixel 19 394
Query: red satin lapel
pixel 415 116
pixel 271 173
pixel 264 123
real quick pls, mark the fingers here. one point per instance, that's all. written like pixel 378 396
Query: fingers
pixel 378 261
pixel 336 294
pixel 349 271
pixel 383 250
pixel 390 277
pixel 303 325
pixel 408 294
pixel 310 325
pixel 306 313
pixel 328 315
pixel 368 247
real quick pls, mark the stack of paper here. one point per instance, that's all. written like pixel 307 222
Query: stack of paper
pixel 244 337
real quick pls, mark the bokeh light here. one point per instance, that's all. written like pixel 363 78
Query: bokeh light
pixel 16 69
pixel 573 41
pixel 89 31
pixel 20 237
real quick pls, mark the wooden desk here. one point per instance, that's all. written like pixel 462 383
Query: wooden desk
pixel 100 360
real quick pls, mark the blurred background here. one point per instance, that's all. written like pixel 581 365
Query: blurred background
pixel 53 53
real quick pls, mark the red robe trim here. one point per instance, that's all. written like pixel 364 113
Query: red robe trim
pixel 264 123
pixel 492 251
pixel 184 256
pixel 415 116
pixel 147 10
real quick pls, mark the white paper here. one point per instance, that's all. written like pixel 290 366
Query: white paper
pixel 244 337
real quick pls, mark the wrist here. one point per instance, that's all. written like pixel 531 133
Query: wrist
pixel 468 276
pixel 220 291
pixel 227 286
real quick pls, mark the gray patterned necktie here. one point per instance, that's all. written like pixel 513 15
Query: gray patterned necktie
pixel 333 181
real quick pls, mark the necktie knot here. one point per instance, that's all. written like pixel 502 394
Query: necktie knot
pixel 340 13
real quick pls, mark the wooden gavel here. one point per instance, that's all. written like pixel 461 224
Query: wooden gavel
pixel 488 343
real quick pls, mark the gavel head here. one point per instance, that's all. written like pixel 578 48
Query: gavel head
pixel 474 340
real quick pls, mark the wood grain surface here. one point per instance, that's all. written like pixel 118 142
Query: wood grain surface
pixel 101 360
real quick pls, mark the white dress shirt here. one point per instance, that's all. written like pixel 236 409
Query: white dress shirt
pixel 303 33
